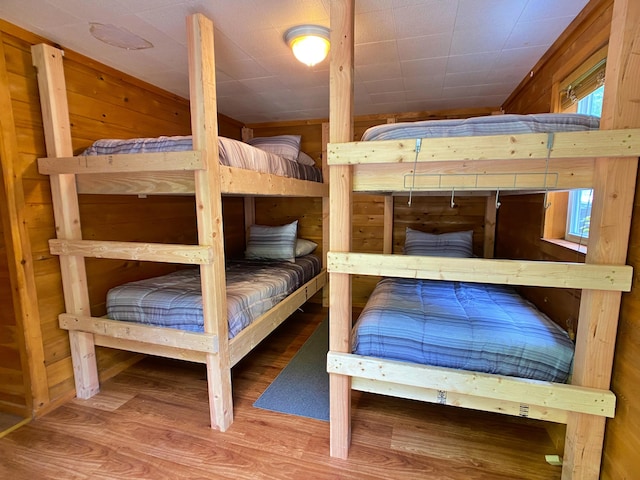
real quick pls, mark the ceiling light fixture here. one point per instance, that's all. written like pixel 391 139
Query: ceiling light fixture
pixel 310 43
pixel 118 37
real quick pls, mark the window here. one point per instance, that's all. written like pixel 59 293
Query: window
pixel 579 207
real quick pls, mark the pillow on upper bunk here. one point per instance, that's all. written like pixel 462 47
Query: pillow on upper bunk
pixel 287 146
pixel 272 243
pixel 305 159
pixel 304 247
pixel 453 244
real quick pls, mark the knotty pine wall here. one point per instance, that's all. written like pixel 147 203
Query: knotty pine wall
pixel 622 437
pixel 12 383
pixel 103 103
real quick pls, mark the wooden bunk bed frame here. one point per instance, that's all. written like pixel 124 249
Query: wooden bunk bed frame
pixel 605 160
pixel 195 172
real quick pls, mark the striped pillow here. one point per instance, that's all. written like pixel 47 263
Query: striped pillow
pixel 287 146
pixel 272 243
pixel 453 244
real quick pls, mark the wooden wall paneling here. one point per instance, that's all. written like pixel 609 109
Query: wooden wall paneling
pixel 28 338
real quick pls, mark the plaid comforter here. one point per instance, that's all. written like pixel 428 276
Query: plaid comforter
pixel 175 300
pixel 469 326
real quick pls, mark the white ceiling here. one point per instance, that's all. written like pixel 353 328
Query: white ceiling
pixel 410 55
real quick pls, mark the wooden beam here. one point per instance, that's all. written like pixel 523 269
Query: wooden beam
pixel 341 73
pixel 490 217
pixel 508 272
pixel 387 234
pixel 524 146
pixel 55 113
pixel 480 175
pixel 140 162
pixel 472 402
pixel 233 181
pixel 204 126
pixel 559 396
pixel 168 337
pixel 149 252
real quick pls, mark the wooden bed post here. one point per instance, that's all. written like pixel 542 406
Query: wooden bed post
pixel 614 186
pixel 340 196
pixel 55 113
pixel 387 240
pixel 325 209
pixel 204 127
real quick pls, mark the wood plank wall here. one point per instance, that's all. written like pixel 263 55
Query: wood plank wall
pixel 102 103
pixel 622 438
pixel 12 392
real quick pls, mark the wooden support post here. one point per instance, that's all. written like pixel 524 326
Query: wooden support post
pixel 614 187
pixel 387 240
pixel 325 209
pixel 490 216
pixel 204 126
pixel 55 113
pixel 340 198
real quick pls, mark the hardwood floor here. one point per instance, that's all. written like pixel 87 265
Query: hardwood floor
pixel 151 422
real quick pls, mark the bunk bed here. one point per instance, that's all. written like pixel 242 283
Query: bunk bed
pixel 197 168
pixel 605 160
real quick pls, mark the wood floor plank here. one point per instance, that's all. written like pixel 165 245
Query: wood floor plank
pixel 152 422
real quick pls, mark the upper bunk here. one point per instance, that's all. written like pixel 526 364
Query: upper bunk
pixel 499 152
pixel 169 172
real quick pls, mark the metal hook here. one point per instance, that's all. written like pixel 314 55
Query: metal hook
pixel 498 201
pixel 453 192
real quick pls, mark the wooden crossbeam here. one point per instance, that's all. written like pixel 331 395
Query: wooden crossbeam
pixel 499 387
pixel 150 252
pixel 508 272
pixel 525 146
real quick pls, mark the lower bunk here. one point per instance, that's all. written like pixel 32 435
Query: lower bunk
pixel 466 344
pixel 163 315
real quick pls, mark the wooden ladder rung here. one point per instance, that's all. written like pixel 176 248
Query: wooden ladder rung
pixel 151 252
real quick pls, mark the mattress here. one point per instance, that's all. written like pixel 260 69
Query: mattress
pixel 482 126
pixel 469 326
pixel 175 300
pixel 233 153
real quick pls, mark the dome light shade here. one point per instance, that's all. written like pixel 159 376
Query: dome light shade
pixel 309 43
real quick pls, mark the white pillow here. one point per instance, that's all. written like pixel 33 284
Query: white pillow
pixel 304 247
pixel 305 159
pixel 453 244
pixel 272 243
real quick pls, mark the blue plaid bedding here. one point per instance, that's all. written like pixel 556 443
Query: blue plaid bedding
pixel 175 300
pixel 469 326
pixel 482 126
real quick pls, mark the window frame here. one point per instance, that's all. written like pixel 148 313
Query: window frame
pixel 556 216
